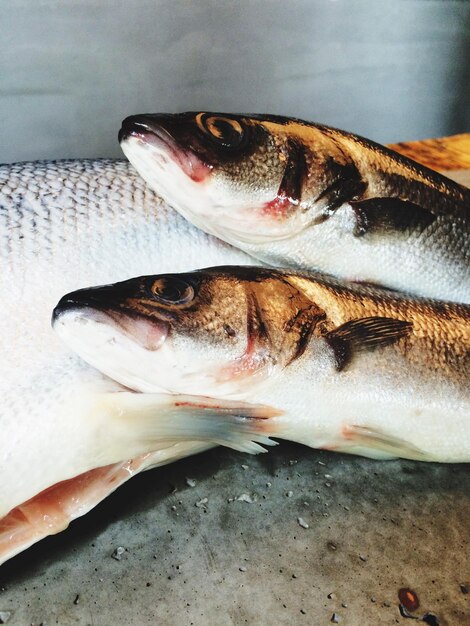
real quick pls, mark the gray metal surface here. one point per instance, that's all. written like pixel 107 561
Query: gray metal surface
pixel 374 527
pixel 71 71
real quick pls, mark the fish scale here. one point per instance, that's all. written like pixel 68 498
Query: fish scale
pixel 66 225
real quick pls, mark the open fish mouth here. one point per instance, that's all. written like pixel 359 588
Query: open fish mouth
pixel 150 336
pixel 175 173
pixel 156 138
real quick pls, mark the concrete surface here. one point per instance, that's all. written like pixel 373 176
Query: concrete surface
pixel 71 71
pixel 374 527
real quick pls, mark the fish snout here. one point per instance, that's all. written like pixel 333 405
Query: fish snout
pixel 135 126
pixel 163 126
pixel 99 298
pixel 91 320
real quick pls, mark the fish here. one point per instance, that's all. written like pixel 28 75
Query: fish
pixel 63 225
pixel 297 194
pixel 331 365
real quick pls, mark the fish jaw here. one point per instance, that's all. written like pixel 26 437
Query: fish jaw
pixel 52 510
pixel 195 199
pixel 164 147
pixel 165 175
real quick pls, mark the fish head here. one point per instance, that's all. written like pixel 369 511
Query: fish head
pixel 239 177
pixel 219 331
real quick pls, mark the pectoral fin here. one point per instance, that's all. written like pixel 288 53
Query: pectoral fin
pixel 376 444
pixel 366 333
pixel 389 214
pixel 145 421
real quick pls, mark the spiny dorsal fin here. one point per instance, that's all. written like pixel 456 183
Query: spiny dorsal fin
pixel 366 333
pixel 389 214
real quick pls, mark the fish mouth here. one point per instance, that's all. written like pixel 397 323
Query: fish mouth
pixel 150 334
pixel 164 153
pixel 154 133
pixel 100 306
pixel 120 343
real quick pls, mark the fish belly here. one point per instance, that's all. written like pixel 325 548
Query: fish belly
pixel 381 406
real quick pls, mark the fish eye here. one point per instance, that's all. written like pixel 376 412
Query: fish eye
pixel 225 131
pixel 172 291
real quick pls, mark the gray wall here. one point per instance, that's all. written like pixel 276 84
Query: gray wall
pixel 70 70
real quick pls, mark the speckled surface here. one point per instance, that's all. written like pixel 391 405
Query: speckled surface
pixel 374 527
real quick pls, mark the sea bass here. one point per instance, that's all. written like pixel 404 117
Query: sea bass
pixel 335 366
pixel 64 225
pixel 303 195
